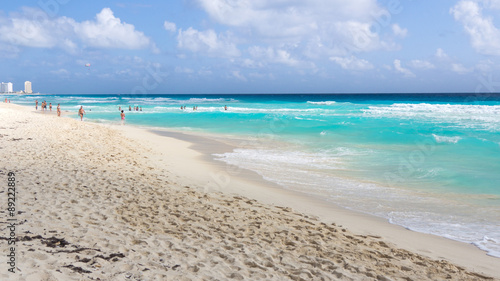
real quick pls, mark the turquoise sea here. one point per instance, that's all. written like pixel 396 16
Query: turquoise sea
pixel 428 162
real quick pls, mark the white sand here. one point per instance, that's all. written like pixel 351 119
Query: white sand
pixel 97 202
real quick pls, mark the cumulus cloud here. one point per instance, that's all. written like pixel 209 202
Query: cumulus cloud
pixel 273 55
pixel 484 36
pixel 441 55
pixel 459 68
pixel 60 72
pixel 352 63
pixel 493 4
pixel 170 26
pixel 398 31
pixel 107 31
pixel 33 28
pixel 485 66
pixel 207 42
pixel 406 72
pixel 236 74
pixel 422 64
pixel 332 27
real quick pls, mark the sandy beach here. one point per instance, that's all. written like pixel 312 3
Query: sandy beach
pixel 108 202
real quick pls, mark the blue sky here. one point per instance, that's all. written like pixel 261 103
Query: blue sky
pixel 251 46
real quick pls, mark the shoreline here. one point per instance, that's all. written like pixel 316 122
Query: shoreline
pixel 252 185
pixel 177 164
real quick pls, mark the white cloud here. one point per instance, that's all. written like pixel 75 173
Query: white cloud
pixel 404 71
pixel 249 63
pixel 398 31
pixel 485 66
pixel 207 42
pixel 484 36
pixel 33 28
pixel 333 28
pixel 272 55
pixel 239 76
pixel 356 37
pixel 493 4
pixel 421 64
pixel 284 57
pixel 352 63
pixel 441 55
pixel 107 31
pixel 170 26
pixel 460 69
pixel 60 72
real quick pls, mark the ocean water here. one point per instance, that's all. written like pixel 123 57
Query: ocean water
pixel 428 162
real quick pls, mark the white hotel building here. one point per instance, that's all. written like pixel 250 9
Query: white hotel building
pixel 6 87
pixel 27 87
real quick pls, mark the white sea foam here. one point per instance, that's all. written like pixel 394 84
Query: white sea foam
pixel 277 110
pixel 263 157
pixel 490 245
pixel 445 139
pixel 309 119
pixel 318 173
pixel 94 101
pixel 484 117
pixel 322 102
pixel 208 100
pixel 194 101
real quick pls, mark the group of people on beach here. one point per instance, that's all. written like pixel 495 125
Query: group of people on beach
pixel 194 107
pixel 44 107
pixel 6 100
pixel 122 113
pixel 82 112
pixel 136 108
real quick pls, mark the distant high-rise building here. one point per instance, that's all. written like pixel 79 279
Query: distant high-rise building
pixel 6 87
pixel 27 87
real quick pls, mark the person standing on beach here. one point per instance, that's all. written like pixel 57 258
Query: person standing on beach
pixel 59 109
pixel 81 112
pixel 123 115
pixel 50 106
pixel 36 104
